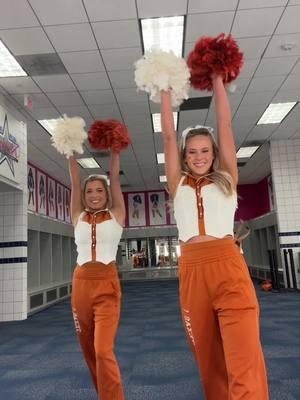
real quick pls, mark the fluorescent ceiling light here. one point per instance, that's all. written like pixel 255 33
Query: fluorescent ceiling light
pixel 157 123
pixel 163 33
pixel 162 178
pixel 276 112
pixel 246 152
pixel 8 64
pixel 49 124
pixel 88 162
pixel 160 158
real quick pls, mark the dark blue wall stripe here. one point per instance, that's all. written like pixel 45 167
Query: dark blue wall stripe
pixel 13 260
pixel 289 234
pixel 13 244
pixel 289 245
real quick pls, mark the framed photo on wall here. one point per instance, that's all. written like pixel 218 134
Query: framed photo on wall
pixel 51 195
pixel 67 201
pixel 136 209
pixel 60 201
pixel 31 186
pixel 157 208
pixel 41 193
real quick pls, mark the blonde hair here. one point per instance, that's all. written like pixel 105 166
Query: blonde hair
pixel 221 178
pixel 103 179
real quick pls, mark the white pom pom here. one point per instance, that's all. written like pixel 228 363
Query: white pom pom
pixel 69 135
pixel 160 70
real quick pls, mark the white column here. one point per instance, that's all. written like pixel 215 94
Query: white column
pixel 13 217
pixel 285 163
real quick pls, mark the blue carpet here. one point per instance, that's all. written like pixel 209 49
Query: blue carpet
pixel 40 358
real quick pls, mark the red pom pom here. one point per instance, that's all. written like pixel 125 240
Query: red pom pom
pixel 217 55
pixel 266 286
pixel 108 134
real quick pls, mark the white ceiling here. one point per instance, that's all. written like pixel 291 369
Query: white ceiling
pixel 99 40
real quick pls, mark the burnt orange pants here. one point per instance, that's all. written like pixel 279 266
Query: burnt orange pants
pixel 96 298
pixel 221 318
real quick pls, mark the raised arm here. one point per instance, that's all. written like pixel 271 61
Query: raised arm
pixel 118 205
pixel 228 160
pixel 76 202
pixel 172 159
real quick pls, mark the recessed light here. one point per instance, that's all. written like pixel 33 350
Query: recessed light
pixel 246 152
pixel 157 122
pixel 164 33
pixel 88 162
pixel 162 178
pixel 160 158
pixel 9 66
pixel 49 124
pixel 276 112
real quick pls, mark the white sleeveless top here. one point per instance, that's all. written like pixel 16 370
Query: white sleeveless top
pixel 97 237
pixel 197 205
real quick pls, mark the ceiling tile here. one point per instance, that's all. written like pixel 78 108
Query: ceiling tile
pixel 254 98
pixel 105 111
pixel 266 83
pixel 19 85
pixel 140 108
pixel 98 96
pixel 291 83
pixel 72 37
pixel 92 81
pixel 75 111
pixel 121 59
pixel 26 41
pixel 265 22
pixel 275 66
pixel 130 95
pixel 158 8
pixel 249 68
pixel 105 10
pixel 261 3
pixel 208 24
pixel 253 47
pixel 286 96
pixel 55 83
pixel 191 118
pixel 122 79
pixel 17 14
pixel 289 22
pixel 82 61
pixel 261 132
pixel 56 12
pixel 45 113
pixel 117 34
pixel 296 69
pixel 274 48
pixel 66 99
pixel 196 6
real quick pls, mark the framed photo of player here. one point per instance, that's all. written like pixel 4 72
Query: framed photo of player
pixel 136 209
pixel 41 193
pixel 31 188
pixel 60 201
pixel 67 201
pixel 51 195
pixel 157 208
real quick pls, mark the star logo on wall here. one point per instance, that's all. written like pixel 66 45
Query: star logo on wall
pixel 8 147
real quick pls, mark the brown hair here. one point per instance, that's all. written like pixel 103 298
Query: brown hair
pixel 221 178
pixel 101 178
